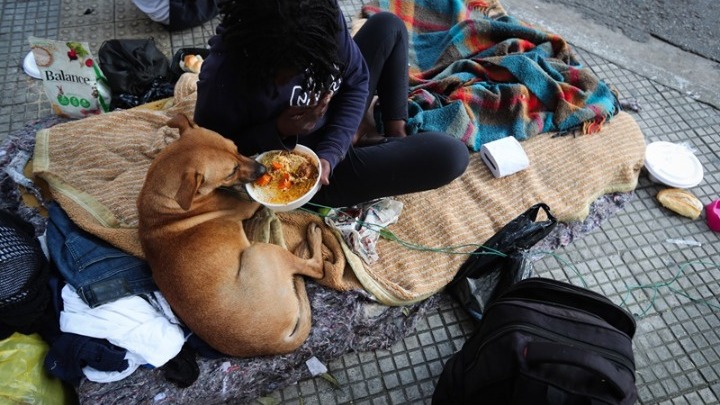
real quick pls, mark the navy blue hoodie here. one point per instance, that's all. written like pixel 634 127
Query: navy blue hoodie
pixel 248 118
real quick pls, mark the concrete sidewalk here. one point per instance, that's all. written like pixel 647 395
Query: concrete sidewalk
pixel 672 287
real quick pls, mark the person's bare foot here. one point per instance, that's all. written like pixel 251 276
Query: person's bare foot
pixel 367 133
pixel 368 127
pixel 395 128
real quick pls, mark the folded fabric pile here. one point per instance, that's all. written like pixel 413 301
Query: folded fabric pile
pixel 96 307
pixel 481 75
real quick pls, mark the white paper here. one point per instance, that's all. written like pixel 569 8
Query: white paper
pixel 315 366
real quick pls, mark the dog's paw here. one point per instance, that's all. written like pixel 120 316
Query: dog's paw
pixel 313 231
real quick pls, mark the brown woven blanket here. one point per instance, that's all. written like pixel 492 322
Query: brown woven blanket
pixel 95 168
pixel 567 173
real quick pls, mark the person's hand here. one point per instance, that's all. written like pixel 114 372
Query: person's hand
pixel 325 169
pixel 301 120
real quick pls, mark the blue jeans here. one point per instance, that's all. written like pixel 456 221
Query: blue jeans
pixel 99 272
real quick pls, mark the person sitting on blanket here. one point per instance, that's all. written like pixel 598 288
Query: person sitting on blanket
pixel 288 71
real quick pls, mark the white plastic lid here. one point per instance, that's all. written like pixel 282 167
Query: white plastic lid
pixel 30 67
pixel 673 164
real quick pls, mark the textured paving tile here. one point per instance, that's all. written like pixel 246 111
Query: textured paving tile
pixel 23 98
pixel 77 13
pixel 125 10
pixel 93 34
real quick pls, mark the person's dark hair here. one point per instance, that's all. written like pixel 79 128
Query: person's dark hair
pixel 268 35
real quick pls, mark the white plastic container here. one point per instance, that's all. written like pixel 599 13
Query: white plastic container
pixel 673 164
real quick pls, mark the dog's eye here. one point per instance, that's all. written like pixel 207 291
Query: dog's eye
pixel 234 172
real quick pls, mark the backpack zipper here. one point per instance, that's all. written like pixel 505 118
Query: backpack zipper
pixel 552 336
pixel 571 289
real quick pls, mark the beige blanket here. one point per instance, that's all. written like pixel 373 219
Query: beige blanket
pixel 95 168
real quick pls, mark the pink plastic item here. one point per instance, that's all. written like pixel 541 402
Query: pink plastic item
pixel 712 211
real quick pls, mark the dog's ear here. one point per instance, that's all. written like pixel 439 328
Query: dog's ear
pixel 181 122
pixel 191 182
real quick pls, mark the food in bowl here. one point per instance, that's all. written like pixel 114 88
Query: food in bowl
pixel 290 176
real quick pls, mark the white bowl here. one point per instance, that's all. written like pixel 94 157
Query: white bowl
pixel 299 202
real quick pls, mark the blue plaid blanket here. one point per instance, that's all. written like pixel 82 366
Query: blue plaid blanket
pixel 480 74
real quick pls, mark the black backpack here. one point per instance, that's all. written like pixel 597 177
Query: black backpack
pixel 543 341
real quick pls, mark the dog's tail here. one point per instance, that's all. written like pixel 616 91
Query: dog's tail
pixel 303 321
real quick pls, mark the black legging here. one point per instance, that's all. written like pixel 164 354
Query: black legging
pixel 397 166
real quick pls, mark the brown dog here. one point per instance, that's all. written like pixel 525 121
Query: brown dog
pixel 242 298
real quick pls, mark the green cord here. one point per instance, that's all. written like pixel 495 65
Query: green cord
pixel 465 249
pixel 656 287
pixel 461 249
pixel 564 262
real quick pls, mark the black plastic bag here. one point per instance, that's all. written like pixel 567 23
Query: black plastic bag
pixel 158 90
pixel 131 66
pixel 499 262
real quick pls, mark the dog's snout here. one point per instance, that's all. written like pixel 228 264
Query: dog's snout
pixel 260 169
pixel 249 170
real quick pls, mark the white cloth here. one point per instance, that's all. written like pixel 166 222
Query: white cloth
pixel 360 225
pixel 131 323
pixel 98 376
pixel 157 10
pixel 504 156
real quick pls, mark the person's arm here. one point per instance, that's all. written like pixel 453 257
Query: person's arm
pixel 347 107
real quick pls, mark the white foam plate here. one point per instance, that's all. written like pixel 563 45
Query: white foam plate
pixel 673 164
pixel 30 67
